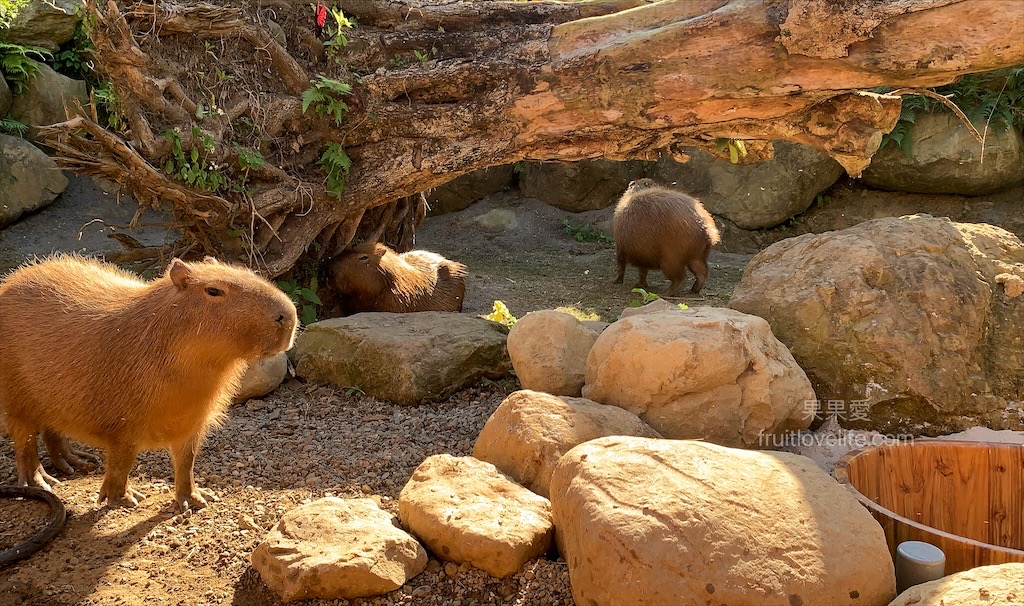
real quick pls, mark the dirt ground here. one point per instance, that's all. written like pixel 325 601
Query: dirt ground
pixel 307 441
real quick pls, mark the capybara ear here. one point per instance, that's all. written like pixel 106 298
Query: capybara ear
pixel 209 259
pixel 180 274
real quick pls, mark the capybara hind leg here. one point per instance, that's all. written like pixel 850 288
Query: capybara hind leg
pixel 699 267
pixel 186 494
pixel 622 270
pixel 115 489
pixel 642 282
pixel 26 456
pixel 64 456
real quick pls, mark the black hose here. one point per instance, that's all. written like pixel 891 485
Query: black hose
pixel 57 518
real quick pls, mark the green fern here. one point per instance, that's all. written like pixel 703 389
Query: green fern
pixel 325 97
pixel 336 163
pixel 10 126
pixel 17 66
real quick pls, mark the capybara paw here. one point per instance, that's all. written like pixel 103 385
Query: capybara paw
pixel 42 479
pixel 617 280
pixel 199 499
pixel 130 498
pixel 74 459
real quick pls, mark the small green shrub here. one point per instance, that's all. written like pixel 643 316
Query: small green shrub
pixel 9 10
pixel 193 166
pixel 10 126
pixel 581 232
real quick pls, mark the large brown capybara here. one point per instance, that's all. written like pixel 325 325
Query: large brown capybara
pixel 92 352
pixel 660 228
pixel 372 277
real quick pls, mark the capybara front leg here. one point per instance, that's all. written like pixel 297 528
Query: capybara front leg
pixel 186 494
pixel 621 261
pixel 115 489
pixel 26 456
pixel 699 267
pixel 64 456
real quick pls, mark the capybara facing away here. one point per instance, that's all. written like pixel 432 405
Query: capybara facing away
pixel 92 352
pixel 372 277
pixel 660 228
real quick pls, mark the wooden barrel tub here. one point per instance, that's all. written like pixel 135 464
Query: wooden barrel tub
pixel 966 498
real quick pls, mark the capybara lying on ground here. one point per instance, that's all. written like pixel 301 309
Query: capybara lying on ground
pixel 660 228
pixel 92 352
pixel 372 277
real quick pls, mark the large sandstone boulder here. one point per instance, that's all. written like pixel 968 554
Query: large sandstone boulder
pixel 262 377
pixel 656 522
pixel 45 23
pixel 549 351
pixel 29 180
pixel 466 189
pixel 578 186
pixel 334 548
pixel 753 196
pixel 467 511
pixel 903 321
pixel 946 159
pixel 404 358
pixel 530 431
pixel 999 585
pixel 44 98
pixel 705 372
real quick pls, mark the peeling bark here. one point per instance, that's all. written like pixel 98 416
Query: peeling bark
pixel 444 88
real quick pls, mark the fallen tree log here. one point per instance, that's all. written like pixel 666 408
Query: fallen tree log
pixel 274 140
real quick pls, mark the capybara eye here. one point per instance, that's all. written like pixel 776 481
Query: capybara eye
pixel 364 257
pixel 214 292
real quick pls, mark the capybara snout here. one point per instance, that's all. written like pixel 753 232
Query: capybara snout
pixel 372 277
pixel 659 228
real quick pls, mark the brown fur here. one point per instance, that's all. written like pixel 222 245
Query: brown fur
pixel 372 277
pixel 659 228
pixel 92 352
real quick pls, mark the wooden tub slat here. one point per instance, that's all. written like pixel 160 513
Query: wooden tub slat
pixel 966 498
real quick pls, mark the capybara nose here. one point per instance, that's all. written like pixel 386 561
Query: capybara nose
pixel 280 319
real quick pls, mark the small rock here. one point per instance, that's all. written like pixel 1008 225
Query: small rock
pixel 498 220
pixel 467 511
pixel 549 352
pixel 29 180
pixel 334 548
pixel 1001 584
pixel 262 377
pixel 45 96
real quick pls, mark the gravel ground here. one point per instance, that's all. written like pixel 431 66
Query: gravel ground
pixel 301 443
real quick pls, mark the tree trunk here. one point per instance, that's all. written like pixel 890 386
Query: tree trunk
pixel 439 89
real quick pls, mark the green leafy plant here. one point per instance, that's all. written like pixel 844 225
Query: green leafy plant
pixel 519 167
pixel 74 58
pixel 17 65
pixel 337 39
pixel 193 165
pixel 336 163
pixel 420 56
pixel 354 390
pixel 581 232
pixel 304 297
pixel 107 106
pixel 994 99
pixel 10 126
pixel 325 97
pixel 735 147
pixel 501 315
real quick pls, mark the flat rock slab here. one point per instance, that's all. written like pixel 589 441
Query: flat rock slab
pixel 403 358
pixel 467 511
pixel 337 548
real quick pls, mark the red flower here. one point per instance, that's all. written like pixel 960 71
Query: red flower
pixel 321 17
